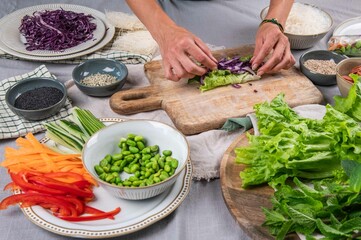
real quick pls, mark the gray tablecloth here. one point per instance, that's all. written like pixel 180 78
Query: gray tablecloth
pixel 203 215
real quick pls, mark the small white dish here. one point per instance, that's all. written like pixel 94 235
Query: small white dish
pixel 351 26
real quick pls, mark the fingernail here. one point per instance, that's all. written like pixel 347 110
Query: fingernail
pixel 260 73
pixel 251 59
pixel 254 66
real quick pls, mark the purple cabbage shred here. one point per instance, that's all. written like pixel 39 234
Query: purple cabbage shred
pixel 56 30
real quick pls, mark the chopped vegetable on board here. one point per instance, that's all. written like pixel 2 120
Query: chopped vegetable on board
pixel 230 71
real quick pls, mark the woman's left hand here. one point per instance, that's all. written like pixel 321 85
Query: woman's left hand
pixel 271 41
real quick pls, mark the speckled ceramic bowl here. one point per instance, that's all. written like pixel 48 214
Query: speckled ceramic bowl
pixel 303 41
pixel 318 78
pixel 106 142
pixel 102 66
pixel 29 84
pixel 342 69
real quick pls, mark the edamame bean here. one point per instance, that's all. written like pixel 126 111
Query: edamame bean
pixel 174 163
pixel 133 149
pixel 98 169
pixel 147 164
pixel 167 153
pixel 117 156
pixel 140 145
pixel 138 138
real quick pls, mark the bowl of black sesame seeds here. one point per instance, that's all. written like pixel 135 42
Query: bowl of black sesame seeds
pixel 36 98
pixel 100 77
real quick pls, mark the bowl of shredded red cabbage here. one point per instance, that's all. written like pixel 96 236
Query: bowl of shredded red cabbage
pixel 56 30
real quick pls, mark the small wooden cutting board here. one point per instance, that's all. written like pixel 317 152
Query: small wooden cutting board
pixel 245 205
pixel 193 111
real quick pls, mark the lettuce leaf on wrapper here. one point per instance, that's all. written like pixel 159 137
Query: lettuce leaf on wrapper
pixel 230 71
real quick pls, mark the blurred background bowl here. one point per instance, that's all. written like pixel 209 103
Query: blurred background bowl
pixel 30 84
pixel 300 41
pixel 100 66
pixel 318 78
pixel 106 142
pixel 344 69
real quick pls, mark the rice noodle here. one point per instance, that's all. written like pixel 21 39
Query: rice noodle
pixel 306 20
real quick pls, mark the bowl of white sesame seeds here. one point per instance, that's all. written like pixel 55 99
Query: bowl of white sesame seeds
pixel 100 77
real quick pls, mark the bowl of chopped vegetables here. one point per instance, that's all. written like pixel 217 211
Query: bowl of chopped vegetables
pixel 320 66
pixel 136 159
pixel 100 77
pixel 36 98
pixel 346 72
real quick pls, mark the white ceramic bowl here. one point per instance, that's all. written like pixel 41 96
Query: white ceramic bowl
pixel 106 142
pixel 343 68
pixel 303 41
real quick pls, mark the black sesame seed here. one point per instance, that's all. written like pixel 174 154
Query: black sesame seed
pixel 38 98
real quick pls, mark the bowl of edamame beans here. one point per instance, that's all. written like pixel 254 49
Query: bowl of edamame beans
pixel 136 159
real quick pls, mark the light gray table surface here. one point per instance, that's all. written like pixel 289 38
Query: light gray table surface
pixel 203 214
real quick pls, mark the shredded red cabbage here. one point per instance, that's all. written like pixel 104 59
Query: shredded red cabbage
pixel 56 30
pixel 236 65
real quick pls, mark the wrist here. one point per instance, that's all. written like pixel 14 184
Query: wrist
pixel 273 21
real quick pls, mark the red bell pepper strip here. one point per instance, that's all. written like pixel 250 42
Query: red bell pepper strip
pixel 91 210
pixel 62 186
pixel 31 199
pixel 19 180
pixel 91 217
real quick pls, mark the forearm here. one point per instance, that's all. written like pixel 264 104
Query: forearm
pixel 279 9
pixel 151 15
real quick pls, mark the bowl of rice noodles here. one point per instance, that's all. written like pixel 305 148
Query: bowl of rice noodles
pixel 306 25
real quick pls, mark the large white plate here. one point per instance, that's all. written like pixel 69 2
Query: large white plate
pixel 351 26
pixel 134 215
pixel 11 37
pixel 109 34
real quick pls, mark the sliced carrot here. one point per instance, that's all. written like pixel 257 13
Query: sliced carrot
pixel 31 155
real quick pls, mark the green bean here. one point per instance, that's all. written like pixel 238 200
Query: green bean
pixel 132 178
pixel 103 163
pixel 124 147
pixel 137 156
pixel 149 165
pixel 168 159
pixel 146 150
pixel 106 168
pixel 129 157
pixel 103 176
pixel 142 184
pixel 141 177
pixel 163 177
pixel 117 180
pixel 126 153
pixel 155 166
pixel 137 174
pixel 149 182
pixel 161 163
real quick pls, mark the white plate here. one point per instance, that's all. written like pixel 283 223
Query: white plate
pixel 351 26
pixel 11 37
pixel 135 214
pixel 109 34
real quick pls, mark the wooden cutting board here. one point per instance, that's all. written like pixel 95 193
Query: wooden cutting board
pixel 245 204
pixel 193 111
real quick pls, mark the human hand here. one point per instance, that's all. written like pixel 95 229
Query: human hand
pixel 180 49
pixel 270 40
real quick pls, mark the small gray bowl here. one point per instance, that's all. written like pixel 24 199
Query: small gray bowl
pixel 102 66
pixel 29 84
pixel 318 78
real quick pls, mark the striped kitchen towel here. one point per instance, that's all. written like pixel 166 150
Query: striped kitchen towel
pixel 11 125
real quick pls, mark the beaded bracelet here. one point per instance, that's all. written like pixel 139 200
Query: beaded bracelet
pixel 274 21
